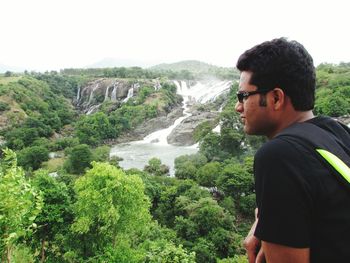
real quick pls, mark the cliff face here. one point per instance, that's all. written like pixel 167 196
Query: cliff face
pixel 90 97
pixel 150 126
pixel 182 135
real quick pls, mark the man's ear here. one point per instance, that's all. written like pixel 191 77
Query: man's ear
pixel 279 98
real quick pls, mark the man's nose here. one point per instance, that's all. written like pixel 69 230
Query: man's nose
pixel 239 107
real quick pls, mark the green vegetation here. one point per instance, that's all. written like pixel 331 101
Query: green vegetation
pixel 19 207
pixel 333 89
pixel 193 69
pixel 182 70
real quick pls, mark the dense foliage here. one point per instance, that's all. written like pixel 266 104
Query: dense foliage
pixel 333 89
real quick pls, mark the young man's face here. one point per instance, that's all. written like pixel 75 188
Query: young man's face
pixel 254 114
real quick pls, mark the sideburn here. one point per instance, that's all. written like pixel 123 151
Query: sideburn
pixel 262 101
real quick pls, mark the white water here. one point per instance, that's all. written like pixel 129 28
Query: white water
pixel 78 94
pixel 106 94
pixel 92 93
pixel 137 154
pixel 114 93
pixel 93 109
pixel 160 136
pixel 130 94
pixel 203 92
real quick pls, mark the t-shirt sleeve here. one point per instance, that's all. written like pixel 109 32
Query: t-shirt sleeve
pixel 283 194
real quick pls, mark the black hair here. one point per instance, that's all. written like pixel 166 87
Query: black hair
pixel 283 64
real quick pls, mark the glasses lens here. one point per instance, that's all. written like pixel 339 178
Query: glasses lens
pixel 240 97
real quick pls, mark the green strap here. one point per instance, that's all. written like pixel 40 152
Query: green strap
pixel 336 163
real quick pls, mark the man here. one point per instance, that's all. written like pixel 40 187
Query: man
pixel 303 207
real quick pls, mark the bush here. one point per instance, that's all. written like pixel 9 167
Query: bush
pixel 32 157
pixel 79 159
pixel 4 106
pixel 155 167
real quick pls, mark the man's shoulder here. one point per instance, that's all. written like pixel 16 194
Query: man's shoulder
pixel 319 131
pixel 274 148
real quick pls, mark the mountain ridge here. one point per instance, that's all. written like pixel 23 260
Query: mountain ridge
pixel 191 65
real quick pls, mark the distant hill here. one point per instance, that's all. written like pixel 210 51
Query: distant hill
pixel 190 65
pixel 194 69
pixel 117 62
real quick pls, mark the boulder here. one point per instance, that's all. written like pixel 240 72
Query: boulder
pixel 182 135
pixel 151 125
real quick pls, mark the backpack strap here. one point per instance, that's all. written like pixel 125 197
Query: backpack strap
pixel 328 149
pixel 336 163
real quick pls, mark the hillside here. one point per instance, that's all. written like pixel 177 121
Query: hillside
pixel 196 69
pixel 190 65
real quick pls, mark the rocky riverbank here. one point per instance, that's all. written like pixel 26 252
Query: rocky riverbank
pixel 150 126
pixel 182 135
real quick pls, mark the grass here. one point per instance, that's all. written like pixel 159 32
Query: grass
pixel 6 80
pixel 53 165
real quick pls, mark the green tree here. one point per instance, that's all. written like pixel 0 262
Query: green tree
pixel 55 216
pixel 21 137
pixel 155 167
pixel 169 253
pixel 32 157
pixel 8 74
pixel 110 207
pixel 207 174
pixel 236 178
pixel 19 206
pixel 208 215
pixel 210 146
pixel 93 129
pixel 168 204
pixel 186 166
pixel 205 251
pixel 79 159
pixel 333 102
pixel 101 154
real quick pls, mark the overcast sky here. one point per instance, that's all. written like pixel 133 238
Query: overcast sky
pixel 54 34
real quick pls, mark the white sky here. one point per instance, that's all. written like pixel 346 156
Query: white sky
pixel 54 34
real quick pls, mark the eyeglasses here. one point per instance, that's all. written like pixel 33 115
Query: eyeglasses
pixel 242 95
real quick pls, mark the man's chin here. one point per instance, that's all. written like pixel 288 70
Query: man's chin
pixel 247 130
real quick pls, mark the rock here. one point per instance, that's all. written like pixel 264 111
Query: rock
pixel 182 135
pixel 92 95
pixel 150 126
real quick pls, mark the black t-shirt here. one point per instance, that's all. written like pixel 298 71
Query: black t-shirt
pixel 301 203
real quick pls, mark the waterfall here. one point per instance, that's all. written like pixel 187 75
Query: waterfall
pixel 92 93
pixel 200 92
pixel 136 86
pixel 130 94
pixel 78 94
pixel 217 129
pixel 203 92
pixel 160 136
pixel 157 86
pixel 93 109
pixel 114 92
pixel 106 94
pixel 137 153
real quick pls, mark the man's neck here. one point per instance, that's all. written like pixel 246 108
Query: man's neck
pixel 291 118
